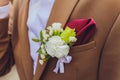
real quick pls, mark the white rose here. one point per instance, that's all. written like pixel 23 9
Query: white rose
pixel 55 47
pixel 62 51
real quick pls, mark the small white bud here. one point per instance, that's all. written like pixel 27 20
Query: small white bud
pixel 41 62
pixel 57 26
pixel 51 32
pixel 72 39
pixel 42 46
pixel 43 50
pixel 42 56
pixel 49 28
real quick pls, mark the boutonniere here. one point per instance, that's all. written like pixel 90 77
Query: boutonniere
pixel 56 43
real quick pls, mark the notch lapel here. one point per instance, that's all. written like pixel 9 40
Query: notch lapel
pixel 61 12
pixel 23 41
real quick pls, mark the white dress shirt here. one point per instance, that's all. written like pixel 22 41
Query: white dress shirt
pixel 39 12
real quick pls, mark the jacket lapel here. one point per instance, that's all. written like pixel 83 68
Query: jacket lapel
pixel 61 12
pixel 23 40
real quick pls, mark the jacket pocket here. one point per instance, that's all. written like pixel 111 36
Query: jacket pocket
pixel 84 62
pixel 84 47
pixel 82 67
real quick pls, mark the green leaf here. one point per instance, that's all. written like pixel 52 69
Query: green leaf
pixel 41 36
pixel 48 57
pixel 39 50
pixel 35 40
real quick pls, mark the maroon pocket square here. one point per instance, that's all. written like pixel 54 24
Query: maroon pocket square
pixel 84 28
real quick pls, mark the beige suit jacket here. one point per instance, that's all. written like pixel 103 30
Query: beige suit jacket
pixel 97 59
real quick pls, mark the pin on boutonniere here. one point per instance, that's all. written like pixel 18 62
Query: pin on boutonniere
pixel 56 43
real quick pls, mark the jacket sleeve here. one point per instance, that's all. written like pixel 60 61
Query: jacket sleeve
pixel 6 53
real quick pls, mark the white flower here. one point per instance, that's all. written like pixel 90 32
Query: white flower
pixel 57 26
pixel 42 56
pixel 55 47
pixel 72 39
pixel 42 46
pixel 43 50
pixel 62 51
pixel 51 32
pixel 49 28
pixel 41 62
pixel 45 35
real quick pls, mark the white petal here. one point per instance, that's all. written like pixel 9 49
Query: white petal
pixel 51 32
pixel 42 56
pixel 41 62
pixel 56 26
pixel 43 50
pixel 62 51
pixel 42 46
pixel 49 27
pixel 72 39
pixel 55 47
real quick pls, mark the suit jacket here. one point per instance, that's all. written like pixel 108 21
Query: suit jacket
pixel 98 59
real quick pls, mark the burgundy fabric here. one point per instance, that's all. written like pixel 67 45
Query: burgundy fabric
pixel 84 28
